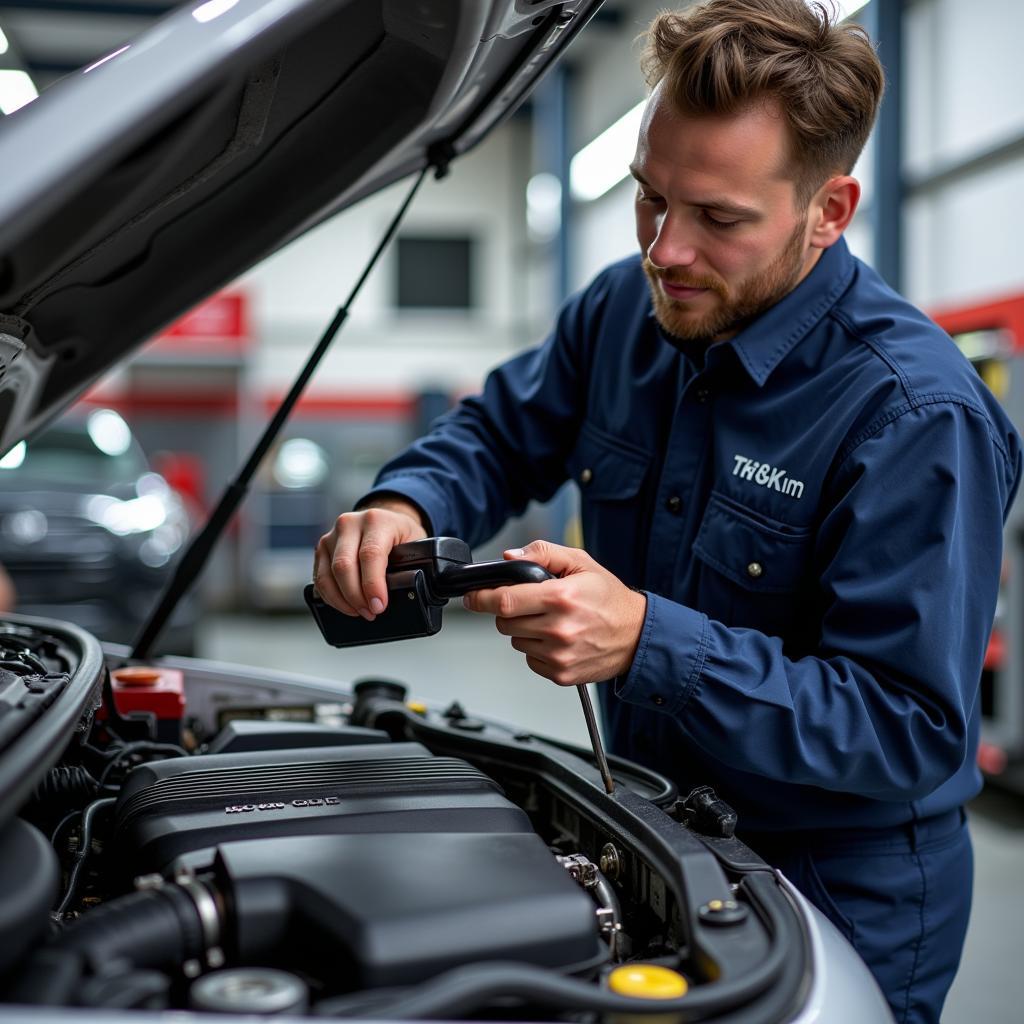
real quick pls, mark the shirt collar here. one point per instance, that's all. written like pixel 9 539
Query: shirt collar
pixel 762 345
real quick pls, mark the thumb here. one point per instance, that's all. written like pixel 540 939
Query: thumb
pixel 557 559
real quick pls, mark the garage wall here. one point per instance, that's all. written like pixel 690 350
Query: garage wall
pixel 964 78
pixel 964 150
pixel 382 348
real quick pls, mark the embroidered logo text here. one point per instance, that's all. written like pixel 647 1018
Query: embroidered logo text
pixel 772 477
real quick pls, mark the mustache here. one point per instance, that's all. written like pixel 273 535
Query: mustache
pixel 681 279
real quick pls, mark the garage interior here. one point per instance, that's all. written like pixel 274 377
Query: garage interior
pixel 481 265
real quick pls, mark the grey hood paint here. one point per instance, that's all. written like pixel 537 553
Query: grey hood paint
pixel 133 190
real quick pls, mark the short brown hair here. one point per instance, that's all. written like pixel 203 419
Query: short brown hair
pixel 724 55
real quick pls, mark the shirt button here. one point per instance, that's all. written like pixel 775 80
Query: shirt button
pixel 755 570
pixel 586 476
pixel 674 504
pixel 703 395
pixel 658 699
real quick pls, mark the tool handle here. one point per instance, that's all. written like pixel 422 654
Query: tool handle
pixel 457 580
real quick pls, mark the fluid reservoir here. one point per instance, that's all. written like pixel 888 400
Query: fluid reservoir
pixel 646 981
pixel 160 691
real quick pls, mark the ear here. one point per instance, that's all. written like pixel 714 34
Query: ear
pixel 832 209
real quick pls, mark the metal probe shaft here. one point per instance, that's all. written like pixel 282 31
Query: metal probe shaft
pixel 595 739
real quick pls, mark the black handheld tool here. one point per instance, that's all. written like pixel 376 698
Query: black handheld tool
pixel 422 576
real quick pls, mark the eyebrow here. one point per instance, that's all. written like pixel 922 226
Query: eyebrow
pixel 711 202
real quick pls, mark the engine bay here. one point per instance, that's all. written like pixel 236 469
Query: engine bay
pixel 191 836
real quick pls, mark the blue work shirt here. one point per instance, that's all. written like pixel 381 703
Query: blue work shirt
pixel 814 510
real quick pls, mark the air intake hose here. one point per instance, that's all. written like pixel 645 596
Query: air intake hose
pixel 160 928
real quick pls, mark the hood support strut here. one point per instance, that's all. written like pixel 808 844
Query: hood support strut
pixel 195 557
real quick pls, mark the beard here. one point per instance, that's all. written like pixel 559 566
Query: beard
pixel 734 310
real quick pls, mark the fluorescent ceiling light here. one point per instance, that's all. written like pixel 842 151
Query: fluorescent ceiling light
pixel 15 457
pixel 847 8
pixel 16 89
pixel 4 45
pixel 603 163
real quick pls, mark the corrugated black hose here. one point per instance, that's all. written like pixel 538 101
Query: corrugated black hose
pixel 104 957
pixel 158 928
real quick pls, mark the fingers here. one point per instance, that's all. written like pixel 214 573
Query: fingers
pixel 582 626
pixel 343 568
pixel 323 579
pixel 511 602
pixel 350 564
pixel 562 677
pixel 556 558
pixel 547 651
pixel 534 627
pixel 378 538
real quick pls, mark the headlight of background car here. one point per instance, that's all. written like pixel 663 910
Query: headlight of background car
pixel 154 517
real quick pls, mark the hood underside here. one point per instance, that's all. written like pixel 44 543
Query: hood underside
pixel 135 189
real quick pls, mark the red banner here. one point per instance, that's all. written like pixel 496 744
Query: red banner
pixel 219 323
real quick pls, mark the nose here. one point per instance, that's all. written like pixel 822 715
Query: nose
pixel 671 246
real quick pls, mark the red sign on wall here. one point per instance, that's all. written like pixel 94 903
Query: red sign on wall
pixel 1006 313
pixel 219 323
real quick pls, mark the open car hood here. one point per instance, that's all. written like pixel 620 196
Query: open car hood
pixel 133 190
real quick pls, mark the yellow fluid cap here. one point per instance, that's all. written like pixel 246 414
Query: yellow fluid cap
pixel 647 981
pixel 417 707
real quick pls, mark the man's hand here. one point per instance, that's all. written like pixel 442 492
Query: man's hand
pixel 351 560
pixel 580 628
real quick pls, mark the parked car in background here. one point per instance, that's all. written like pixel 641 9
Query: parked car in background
pixel 89 532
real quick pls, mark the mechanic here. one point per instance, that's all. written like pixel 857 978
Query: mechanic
pixel 793 489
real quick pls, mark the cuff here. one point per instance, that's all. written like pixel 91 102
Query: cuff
pixel 422 493
pixel 669 657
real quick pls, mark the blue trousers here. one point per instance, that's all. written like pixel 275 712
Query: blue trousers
pixel 902 896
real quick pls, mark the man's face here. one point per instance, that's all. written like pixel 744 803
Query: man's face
pixel 716 218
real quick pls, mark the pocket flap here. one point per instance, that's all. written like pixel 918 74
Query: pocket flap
pixel 749 551
pixel 605 469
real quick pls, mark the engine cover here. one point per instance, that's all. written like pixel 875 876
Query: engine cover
pixel 171 808
pixel 380 865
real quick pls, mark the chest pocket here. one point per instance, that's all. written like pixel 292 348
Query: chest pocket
pixel 610 476
pixel 756 573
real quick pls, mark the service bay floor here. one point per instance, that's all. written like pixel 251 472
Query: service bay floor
pixel 469 662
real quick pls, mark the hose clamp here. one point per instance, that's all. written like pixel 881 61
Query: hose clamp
pixel 208 911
